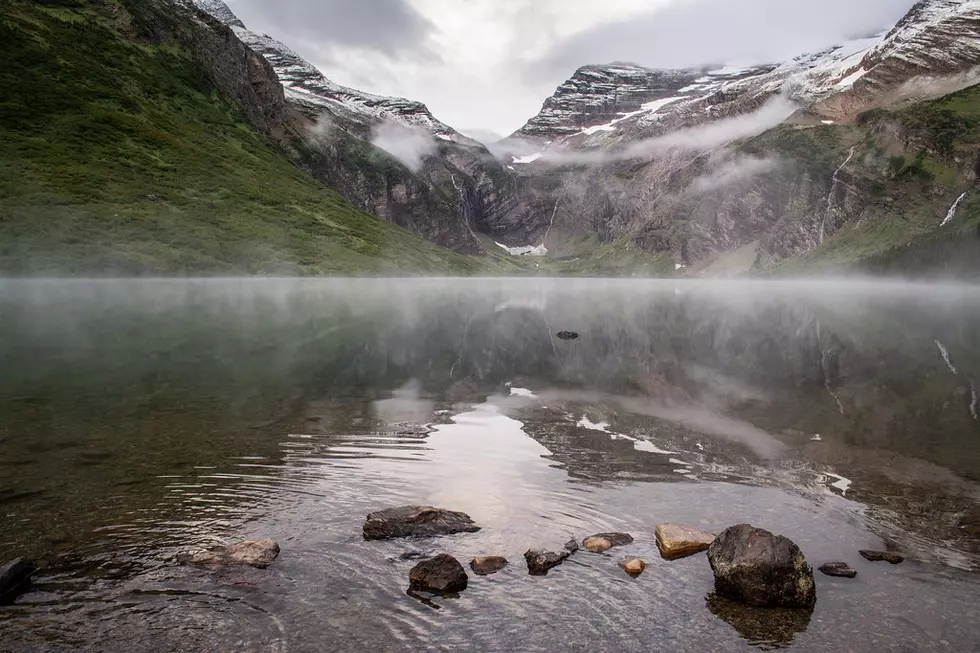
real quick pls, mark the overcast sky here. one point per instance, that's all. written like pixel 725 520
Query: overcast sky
pixel 489 64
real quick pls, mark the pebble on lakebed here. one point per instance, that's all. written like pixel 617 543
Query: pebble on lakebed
pixel 602 542
pixel 486 565
pixel 633 566
pixel 838 569
pixel 882 556
pixel 254 553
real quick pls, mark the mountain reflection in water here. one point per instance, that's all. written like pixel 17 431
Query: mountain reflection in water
pixel 142 418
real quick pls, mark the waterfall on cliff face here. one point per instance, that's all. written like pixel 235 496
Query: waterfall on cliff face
pixel 832 194
pixel 952 210
pixel 463 208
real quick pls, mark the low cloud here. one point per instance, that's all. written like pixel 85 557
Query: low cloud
pixel 410 145
pixel 695 139
pixel 737 170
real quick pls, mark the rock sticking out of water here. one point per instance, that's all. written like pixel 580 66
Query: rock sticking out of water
pixel 838 569
pixel 882 556
pixel 567 335
pixel 571 546
pixel 633 566
pixel 442 574
pixel 484 566
pixel 416 521
pixel 602 542
pixel 255 553
pixel 540 562
pixel 754 566
pixel 15 578
pixel 676 541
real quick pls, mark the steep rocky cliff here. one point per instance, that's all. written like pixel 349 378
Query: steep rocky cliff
pixel 728 168
pixel 388 156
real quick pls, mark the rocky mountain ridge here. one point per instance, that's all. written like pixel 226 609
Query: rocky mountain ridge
pixel 696 163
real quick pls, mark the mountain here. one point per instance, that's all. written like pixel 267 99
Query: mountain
pixel 837 155
pixel 391 157
pixel 137 139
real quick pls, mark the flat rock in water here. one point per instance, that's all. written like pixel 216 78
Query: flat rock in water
pixel 539 562
pixel 633 566
pixel 601 542
pixel 754 566
pixel 567 335
pixel 838 569
pixel 15 578
pixel 677 541
pixel 416 521
pixel 882 556
pixel 442 574
pixel 486 565
pixel 255 553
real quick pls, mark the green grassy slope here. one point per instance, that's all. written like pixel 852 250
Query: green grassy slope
pixel 118 156
pixel 911 163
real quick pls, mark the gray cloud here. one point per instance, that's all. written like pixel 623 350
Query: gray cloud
pixel 387 26
pixel 698 32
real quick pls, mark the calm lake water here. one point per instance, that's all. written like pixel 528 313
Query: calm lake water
pixel 140 419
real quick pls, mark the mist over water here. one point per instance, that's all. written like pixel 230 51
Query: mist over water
pixel 143 418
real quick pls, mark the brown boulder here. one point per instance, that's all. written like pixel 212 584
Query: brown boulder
pixel 754 566
pixel 602 542
pixel 883 556
pixel 633 566
pixel 676 541
pixel 416 521
pixel 442 574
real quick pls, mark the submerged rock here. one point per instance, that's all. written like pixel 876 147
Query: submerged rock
pixel 15 578
pixel 676 541
pixel 633 566
pixel 416 521
pixel 754 566
pixel 442 574
pixel 539 562
pixel 839 569
pixel 601 542
pixel 567 335
pixel 255 553
pixel 484 566
pixel 882 556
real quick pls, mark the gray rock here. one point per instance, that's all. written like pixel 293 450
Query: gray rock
pixel 486 565
pixel 571 546
pixel 15 578
pixel 754 566
pixel 540 562
pixel 838 569
pixel 442 574
pixel 416 521
pixel 254 553
pixel 882 556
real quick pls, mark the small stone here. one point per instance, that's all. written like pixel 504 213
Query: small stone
pixel 540 562
pixel 597 544
pixel 633 566
pixel 15 578
pixel 571 546
pixel 487 565
pixel 882 556
pixel 677 541
pixel 754 566
pixel 416 521
pixel 601 542
pixel 567 335
pixel 255 553
pixel 442 574
pixel 838 569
